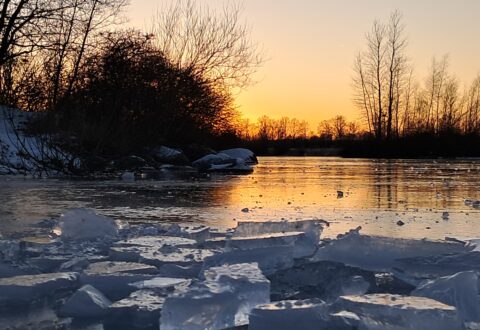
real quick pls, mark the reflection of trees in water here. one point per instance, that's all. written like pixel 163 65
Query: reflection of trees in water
pixel 308 183
pixel 421 184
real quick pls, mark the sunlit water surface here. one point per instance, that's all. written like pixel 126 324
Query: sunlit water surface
pixel 377 194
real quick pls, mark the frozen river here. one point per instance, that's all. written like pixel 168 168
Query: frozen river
pixel 377 194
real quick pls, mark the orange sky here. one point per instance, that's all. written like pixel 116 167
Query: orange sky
pixel 310 46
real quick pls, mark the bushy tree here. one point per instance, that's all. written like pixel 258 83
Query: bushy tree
pixel 130 96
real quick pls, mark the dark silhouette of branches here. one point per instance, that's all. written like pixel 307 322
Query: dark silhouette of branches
pixel 214 45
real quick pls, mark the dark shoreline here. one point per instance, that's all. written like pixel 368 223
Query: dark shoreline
pixel 415 147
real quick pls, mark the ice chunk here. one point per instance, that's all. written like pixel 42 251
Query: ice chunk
pixel 87 302
pixel 207 161
pixel 10 270
pixel 28 288
pixel 48 263
pixel 416 269
pixel 114 278
pixel 269 259
pixel 160 283
pixel 157 241
pixel 240 153
pixel 75 264
pixel 128 176
pixel 127 253
pixel 325 280
pixel 290 314
pixel 175 256
pixel 167 155
pixel 85 224
pixel 311 228
pixel 459 290
pixel 9 250
pixel 141 309
pixel 109 267
pixel 385 311
pixel 177 271
pixel 135 249
pixel 263 240
pixel 247 281
pixel 214 243
pixel 203 305
pixel 223 300
pixel 198 233
pixel 379 253
pixel 304 246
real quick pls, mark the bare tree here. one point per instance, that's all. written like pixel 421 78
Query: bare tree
pixel 69 31
pixel 340 126
pixel 396 63
pixel 472 111
pixel 379 73
pixel 214 45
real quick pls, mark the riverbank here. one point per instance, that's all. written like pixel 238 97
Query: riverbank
pixel 410 147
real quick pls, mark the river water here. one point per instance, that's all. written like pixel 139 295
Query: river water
pixel 376 195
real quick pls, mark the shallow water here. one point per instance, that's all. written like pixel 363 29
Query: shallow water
pixel 377 193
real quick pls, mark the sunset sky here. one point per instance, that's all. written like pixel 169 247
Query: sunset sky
pixel 310 46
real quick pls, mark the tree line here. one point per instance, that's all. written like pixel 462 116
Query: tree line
pixel 401 115
pixel 394 103
pixel 286 128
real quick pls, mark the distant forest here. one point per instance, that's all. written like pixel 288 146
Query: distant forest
pixel 402 116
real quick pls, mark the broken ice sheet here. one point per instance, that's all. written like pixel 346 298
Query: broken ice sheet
pixel 386 311
pixel 86 302
pixel 156 241
pixel 301 246
pixel 379 253
pixel 290 314
pixel 25 289
pixel 311 228
pixel 459 290
pixel 141 309
pixel 415 270
pixel 113 278
pixel 269 259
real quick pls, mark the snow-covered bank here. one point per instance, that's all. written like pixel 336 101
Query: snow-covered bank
pixel 260 275
pixel 21 153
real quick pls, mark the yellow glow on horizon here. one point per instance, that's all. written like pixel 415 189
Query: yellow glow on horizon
pixel 310 46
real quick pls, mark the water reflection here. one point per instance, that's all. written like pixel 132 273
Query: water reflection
pixel 377 193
